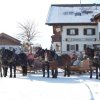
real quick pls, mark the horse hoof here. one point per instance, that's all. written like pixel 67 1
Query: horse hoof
pixel 96 77
pixel 5 75
pixel 14 76
pixel 64 75
pixel 24 74
pixel 68 75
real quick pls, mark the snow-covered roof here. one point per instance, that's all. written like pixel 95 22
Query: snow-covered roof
pixel 72 13
pixel 6 36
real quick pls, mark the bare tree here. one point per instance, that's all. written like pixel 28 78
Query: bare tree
pixel 29 32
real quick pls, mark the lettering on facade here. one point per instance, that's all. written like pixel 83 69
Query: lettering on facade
pixel 80 39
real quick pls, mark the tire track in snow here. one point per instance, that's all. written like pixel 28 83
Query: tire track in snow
pixel 92 97
pixel 91 93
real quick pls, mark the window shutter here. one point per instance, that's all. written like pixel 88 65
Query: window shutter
pixel 99 35
pixel 76 47
pixel 68 31
pixel 85 31
pixel 93 31
pixel 67 47
pixel 76 31
pixel 84 46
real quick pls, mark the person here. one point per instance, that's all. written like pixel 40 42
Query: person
pixel 97 55
pixel 77 62
pixel 80 56
pixel 30 58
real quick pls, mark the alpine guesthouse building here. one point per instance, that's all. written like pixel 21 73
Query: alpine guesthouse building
pixel 75 26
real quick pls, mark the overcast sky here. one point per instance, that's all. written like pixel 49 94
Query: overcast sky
pixel 14 11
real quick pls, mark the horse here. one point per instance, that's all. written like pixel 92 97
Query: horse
pixel 65 64
pixel 41 61
pixel 1 66
pixel 56 62
pixel 94 61
pixel 53 64
pixel 23 62
pixel 7 60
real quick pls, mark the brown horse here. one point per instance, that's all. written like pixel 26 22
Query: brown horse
pixel 53 64
pixel 56 62
pixel 66 62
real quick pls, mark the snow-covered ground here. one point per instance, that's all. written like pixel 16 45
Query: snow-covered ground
pixel 35 87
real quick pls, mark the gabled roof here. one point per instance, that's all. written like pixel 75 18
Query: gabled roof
pixel 72 13
pixel 3 35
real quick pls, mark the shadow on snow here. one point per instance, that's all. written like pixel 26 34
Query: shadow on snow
pixel 61 79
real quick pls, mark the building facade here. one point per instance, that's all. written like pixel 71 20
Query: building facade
pixel 75 26
pixel 8 42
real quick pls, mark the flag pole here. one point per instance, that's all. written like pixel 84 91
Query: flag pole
pixel 80 1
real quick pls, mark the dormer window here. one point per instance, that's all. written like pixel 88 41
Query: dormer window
pixel 68 13
pixel 71 13
pixel 65 13
pixel 77 14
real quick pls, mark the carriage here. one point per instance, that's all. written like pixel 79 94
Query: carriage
pixel 64 62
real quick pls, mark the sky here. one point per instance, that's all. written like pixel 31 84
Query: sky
pixel 13 12
pixel 35 87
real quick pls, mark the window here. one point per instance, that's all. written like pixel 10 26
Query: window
pixel 78 14
pixel 73 47
pixel 72 31
pixel 89 31
pixel 57 48
pixel 65 13
pixel 88 45
pixel 71 13
pixel 68 13
pixel 99 35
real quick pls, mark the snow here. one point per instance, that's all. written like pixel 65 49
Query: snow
pixel 67 14
pixel 36 87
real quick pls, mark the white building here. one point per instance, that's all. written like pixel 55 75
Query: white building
pixel 75 26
